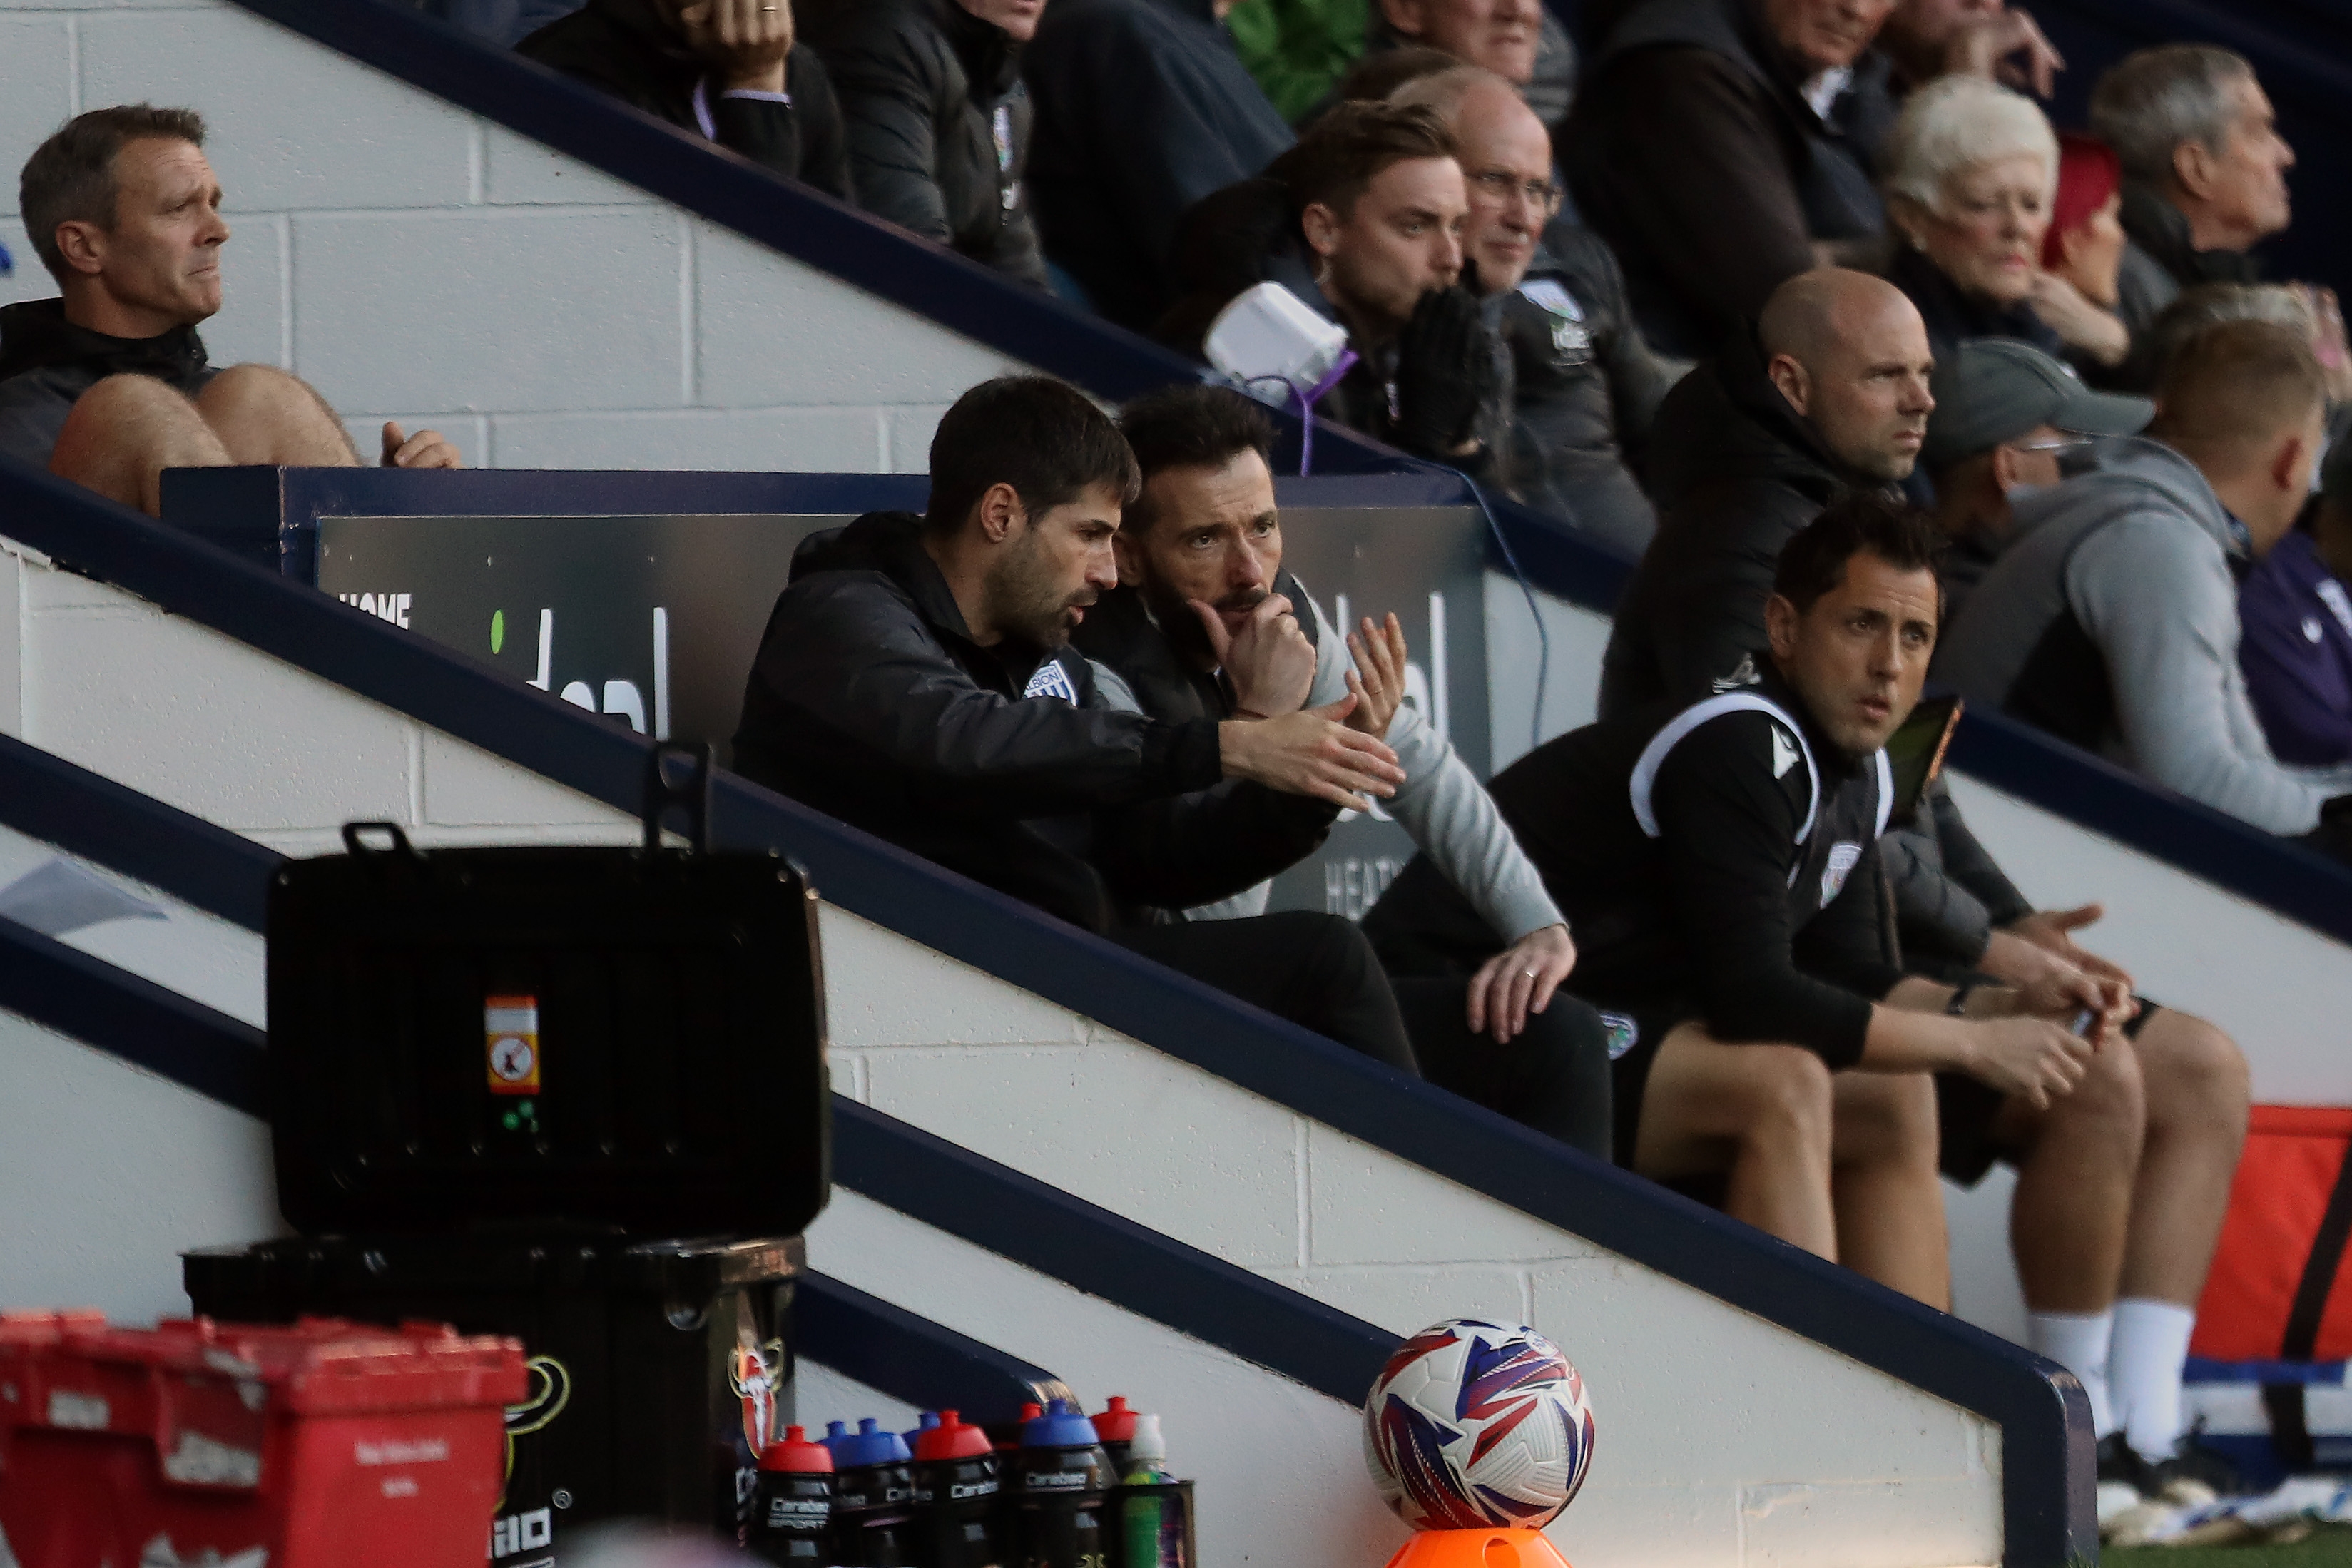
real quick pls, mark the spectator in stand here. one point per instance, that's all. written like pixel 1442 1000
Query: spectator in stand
pixel 1519 40
pixel 1930 39
pixel 2083 245
pixel 727 69
pixel 1364 221
pixel 1829 394
pixel 1587 386
pixel 2008 416
pixel 1202 607
pixel 107 384
pixel 2297 618
pixel 1722 859
pixel 2112 620
pixel 939 121
pixel 1724 146
pixel 1141 109
pixel 916 680
pixel 2204 170
pixel 1972 168
pixel 2309 312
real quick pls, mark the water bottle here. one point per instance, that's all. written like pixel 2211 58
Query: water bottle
pixel 872 1499
pixel 1115 1425
pixel 957 1495
pixel 1142 1515
pixel 1064 1480
pixel 923 1423
pixel 792 1513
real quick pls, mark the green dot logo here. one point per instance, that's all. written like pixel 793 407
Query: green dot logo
pixel 498 630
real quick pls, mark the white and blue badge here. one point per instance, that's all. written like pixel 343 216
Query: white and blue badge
pixel 1843 858
pixel 1571 339
pixel 1052 680
pixel 1624 1034
pixel 1008 189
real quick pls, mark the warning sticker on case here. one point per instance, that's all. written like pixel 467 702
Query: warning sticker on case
pixel 511 1038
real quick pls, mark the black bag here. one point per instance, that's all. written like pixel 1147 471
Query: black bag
pixel 616 1037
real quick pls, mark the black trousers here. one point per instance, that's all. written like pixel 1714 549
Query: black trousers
pixel 1316 970
pixel 1553 1078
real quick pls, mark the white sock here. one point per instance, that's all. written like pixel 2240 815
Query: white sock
pixel 2078 1341
pixel 2151 1342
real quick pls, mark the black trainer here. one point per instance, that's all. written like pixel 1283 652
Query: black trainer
pixel 2192 1462
pixel 2119 1462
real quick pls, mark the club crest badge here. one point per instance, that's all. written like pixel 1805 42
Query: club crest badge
pixel 1052 680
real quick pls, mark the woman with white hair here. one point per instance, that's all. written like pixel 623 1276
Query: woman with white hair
pixel 1970 172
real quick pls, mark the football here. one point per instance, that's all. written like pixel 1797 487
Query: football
pixel 1473 1424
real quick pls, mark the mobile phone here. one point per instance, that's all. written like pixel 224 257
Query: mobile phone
pixel 1914 752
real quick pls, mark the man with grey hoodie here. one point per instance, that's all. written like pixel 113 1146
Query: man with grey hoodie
pixel 2111 620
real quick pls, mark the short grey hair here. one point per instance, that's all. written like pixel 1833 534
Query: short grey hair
pixel 1444 90
pixel 2200 310
pixel 2152 100
pixel 1954 123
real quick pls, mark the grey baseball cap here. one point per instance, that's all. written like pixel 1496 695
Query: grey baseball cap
pixel 1992 390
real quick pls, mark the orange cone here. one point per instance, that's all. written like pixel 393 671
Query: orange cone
pixel 1479 1549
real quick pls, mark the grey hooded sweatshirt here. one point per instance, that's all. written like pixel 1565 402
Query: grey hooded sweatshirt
pixel 2111 620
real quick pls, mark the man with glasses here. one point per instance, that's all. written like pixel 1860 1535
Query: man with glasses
pixel 1587 385
pixel 2008 418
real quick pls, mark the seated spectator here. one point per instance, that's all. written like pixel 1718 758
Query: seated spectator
pixel 1141 109
pixel 2112 620
pixel 2204 170
pixel 1363 220
pixel 1722 146
pixel 1202 608
pixel 2296 614
pixel 2309 312
pixel 916 681
pixel 1722 861
pixel 1972 168
pixel 2006 416
pixel 939 121
pixel 1829 394
pixel 1931 38
pixel 727 69
pixel 1519 40
pixel 2083 244
pixel 108 385
pixel 1586 385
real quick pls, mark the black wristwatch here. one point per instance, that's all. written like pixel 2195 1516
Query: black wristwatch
pixel 1957 1007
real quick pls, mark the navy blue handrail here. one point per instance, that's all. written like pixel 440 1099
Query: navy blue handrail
pixel 2046 1466
pixel 926 1364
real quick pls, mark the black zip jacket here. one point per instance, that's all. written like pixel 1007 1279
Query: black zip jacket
pixel 1718 861
pixel 624 48
pixel 869 701
pixel 1735 473
pixel 939 123
pixel 46 362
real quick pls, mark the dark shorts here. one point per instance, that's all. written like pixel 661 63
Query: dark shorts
pixel 1968 1111
pixel 1634 1035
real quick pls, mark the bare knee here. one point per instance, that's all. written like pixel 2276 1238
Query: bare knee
pixel 2194 1072
pixel 2110 1104
pixel 265 414
pixel 1786 1093
pixel 124 431
pixel 1886 1119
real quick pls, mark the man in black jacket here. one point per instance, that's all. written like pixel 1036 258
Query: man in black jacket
pixel 1719 863
pixel 916 681
pixel 1142 109
pixel 109 384
pixel 938 121
pixel 727 69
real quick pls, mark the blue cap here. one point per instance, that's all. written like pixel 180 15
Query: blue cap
pixel 870 1444
pixel 836 1437
pixel 930 1419
pixel 1062 1426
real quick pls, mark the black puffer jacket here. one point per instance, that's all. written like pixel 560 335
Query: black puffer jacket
pixel 1734 473
pixel 46 362
pixel 869 701
pixel 625 48
pixel 939 123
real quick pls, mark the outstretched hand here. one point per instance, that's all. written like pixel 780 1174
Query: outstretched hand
pixel 1311 753
pixel 1378 679
pixel 2054 931
pixel 425 449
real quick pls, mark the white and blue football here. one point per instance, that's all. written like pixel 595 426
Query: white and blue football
pixel 1473 1424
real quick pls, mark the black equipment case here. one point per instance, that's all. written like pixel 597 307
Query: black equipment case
pixel 619 1038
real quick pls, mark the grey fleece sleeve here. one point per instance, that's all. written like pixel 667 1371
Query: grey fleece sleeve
pixel 2157 597
pixel 1448 812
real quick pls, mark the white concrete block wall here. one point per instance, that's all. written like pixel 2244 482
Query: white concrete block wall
pixel 419 263
pixel 1700 1450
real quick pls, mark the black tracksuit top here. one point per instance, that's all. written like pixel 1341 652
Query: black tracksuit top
pixel 1717 860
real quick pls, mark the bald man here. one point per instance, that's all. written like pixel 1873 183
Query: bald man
pixel 1827 394
pixel 1587 386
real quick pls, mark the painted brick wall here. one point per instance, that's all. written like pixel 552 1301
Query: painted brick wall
pixel 415 262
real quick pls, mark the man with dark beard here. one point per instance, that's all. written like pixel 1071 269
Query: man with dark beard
pixel 916 680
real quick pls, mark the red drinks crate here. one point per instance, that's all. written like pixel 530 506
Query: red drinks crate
pixel 325 1445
